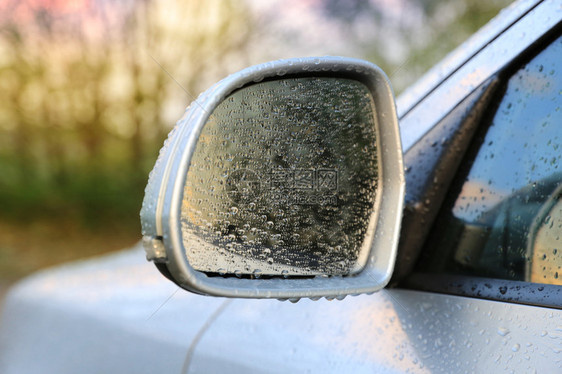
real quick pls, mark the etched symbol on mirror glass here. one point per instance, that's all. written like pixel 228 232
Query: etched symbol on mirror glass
pixel 303 187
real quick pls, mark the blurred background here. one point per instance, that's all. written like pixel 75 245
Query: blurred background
pixel 90 88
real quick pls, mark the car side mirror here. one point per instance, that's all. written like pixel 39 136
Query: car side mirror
pixel 284 180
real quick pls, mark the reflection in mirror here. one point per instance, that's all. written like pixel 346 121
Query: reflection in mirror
pixel 544 251
pixel 283 181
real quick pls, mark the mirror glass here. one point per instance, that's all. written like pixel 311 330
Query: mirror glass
pixel 284 181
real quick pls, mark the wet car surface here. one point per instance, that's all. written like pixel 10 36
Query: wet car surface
pixel 458 309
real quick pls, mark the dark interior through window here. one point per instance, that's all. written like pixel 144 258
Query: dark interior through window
pixel 503 218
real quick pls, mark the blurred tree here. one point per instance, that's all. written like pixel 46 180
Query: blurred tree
pixel 90 89
pixel 406 37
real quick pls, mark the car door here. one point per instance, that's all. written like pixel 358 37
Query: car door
pixel 473 291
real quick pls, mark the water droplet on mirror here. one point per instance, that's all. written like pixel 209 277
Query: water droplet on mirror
pixel 313 162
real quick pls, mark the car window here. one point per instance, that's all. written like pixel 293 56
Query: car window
pixel 503 218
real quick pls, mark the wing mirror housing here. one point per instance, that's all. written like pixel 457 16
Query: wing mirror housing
pixel 284 180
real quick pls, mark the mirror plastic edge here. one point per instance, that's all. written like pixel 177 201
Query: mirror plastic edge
pixel 172 171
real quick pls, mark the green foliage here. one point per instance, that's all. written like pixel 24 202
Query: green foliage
pixel 88 96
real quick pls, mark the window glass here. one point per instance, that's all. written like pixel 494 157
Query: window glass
pixel 504 219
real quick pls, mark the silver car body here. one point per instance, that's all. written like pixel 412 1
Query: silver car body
pixel 118 314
